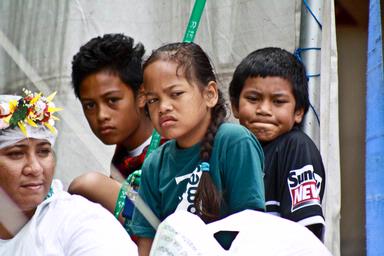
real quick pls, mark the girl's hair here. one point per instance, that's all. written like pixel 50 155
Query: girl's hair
pixel 194 64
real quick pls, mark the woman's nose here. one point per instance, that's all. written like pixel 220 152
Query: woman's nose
pixel 33 166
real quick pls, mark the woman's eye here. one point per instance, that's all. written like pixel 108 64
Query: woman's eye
pixel 15 154
pixel 44 152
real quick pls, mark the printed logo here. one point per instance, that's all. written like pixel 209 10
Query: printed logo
pixel 304 186
pixel 188 197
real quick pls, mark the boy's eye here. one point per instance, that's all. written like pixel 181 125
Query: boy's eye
pixel 279 101
pixel 88 105
pixel 252 98
pixel 113 100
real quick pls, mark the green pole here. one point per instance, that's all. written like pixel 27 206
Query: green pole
pixel 194 21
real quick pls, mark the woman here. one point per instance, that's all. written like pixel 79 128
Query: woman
pixel 39 218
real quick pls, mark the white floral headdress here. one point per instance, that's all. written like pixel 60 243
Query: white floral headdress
pixel 31 114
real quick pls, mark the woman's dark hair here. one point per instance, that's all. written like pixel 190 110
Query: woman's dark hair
pixel 115 53
pixel 195 65
pixel 272 61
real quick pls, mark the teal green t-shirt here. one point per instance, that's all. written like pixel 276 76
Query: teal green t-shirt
pixel 170 176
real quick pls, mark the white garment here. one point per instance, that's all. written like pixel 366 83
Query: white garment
pixel 259 234
pixel 70 225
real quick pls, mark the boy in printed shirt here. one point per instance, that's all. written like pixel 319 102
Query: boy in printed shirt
pixel 269 96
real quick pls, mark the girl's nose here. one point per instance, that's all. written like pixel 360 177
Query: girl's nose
pixel 165 107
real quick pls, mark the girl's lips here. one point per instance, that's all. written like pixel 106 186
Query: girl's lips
pixel 167 121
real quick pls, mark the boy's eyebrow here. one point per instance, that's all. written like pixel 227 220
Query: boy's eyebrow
pixel 102 95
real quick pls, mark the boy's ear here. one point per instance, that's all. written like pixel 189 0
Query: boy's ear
pixel 299 114
pixel 235 109
pixel 141 100
pixel 211 94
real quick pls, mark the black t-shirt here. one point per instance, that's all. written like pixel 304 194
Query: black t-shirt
pixel 294 178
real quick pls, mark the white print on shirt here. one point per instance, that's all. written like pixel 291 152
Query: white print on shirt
pixel 304 186
pixel 188 197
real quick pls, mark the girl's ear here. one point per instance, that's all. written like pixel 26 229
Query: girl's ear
pixel 141 99
pixel 299 114
pixel 211 94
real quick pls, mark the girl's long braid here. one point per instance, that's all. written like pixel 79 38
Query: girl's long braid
pixel 208 200
pixel 194 63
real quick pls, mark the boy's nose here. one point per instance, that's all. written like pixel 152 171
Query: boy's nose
pixel 103 113
pixel 264 108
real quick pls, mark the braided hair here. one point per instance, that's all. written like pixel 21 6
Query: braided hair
pixel 195 65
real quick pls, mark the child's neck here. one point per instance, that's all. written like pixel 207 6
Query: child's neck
pixel 143 132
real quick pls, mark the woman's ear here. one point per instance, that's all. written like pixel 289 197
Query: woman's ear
pixel 211 94
pixel 299 115
pixel 141 99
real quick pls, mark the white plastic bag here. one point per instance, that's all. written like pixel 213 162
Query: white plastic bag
pixel 183 233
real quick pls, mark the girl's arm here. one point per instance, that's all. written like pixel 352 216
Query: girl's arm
pixel 144 246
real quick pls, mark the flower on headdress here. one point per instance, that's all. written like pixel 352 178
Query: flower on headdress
pixel 33 109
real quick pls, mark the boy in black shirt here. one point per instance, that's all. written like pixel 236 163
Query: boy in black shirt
pixel 269 95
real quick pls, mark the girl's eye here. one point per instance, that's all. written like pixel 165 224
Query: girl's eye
pixel 151 100
pixel 176 94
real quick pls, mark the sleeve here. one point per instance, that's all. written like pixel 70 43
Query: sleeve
pixel 243 184
pixel 302 182
pixel 92 230
pixel 149 193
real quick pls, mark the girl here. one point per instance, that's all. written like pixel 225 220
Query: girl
pixel 208 167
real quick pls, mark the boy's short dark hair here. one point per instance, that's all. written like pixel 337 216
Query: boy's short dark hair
pixel 115 53
pixel 272 61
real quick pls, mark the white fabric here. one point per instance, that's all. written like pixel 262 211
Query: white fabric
pixel 9 136
pixel 329 129
pixel 70 225
pixel 183 233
